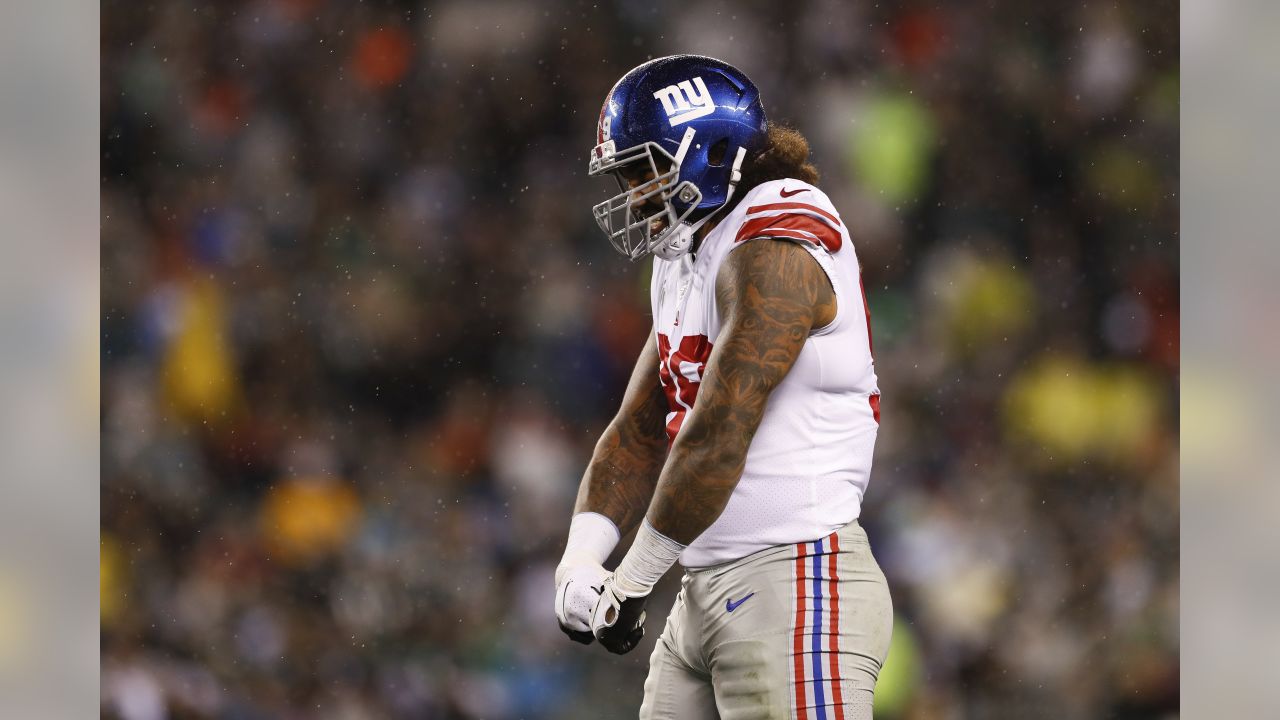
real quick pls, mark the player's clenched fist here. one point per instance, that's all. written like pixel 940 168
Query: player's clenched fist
pixel 618 620
pixel 593 603
pixel 580 575
pixel 578 588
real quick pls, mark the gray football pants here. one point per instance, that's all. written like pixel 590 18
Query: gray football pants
pixel 795 631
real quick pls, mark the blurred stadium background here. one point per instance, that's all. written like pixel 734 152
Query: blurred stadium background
pixel 360 334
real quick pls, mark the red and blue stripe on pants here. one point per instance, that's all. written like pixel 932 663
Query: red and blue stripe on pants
pixel 817 688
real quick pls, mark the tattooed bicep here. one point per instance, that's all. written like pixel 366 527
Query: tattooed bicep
pixel 771 294
pixel 776 279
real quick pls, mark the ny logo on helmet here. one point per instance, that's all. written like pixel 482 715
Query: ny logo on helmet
pixel 685 101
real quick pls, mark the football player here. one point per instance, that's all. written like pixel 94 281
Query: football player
pixel 743 446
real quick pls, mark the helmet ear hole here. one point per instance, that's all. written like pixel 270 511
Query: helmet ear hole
pixel 716 154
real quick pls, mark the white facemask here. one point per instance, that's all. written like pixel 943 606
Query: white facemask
pixel 679 241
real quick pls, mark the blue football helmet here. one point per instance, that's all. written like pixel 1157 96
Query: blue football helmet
pixel 690 121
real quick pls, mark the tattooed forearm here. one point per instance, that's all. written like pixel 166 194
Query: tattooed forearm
pixel 771 294
pixel 624 468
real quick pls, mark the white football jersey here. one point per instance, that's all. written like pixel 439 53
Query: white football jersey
pixel 809 463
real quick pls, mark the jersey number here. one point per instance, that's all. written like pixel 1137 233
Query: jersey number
pixel 681 375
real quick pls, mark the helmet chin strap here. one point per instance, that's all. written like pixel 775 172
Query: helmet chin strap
pixel 680 241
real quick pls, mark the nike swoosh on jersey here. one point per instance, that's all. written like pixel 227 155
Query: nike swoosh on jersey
pixel 788 193
pixel 730 605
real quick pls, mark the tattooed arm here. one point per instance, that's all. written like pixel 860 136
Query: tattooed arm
pixel 771 294
pixel 624 468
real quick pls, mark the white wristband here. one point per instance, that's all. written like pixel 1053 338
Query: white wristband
pixel 592 537
pixel 649 558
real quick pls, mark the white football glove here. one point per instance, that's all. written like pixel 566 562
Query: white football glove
pixel 578 588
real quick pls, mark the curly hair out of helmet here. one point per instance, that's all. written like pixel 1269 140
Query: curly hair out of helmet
pixel 784 155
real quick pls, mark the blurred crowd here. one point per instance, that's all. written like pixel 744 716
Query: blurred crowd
pixel 360 334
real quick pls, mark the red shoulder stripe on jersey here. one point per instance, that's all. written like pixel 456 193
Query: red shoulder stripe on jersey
pixel 792 225
pixel 794 206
